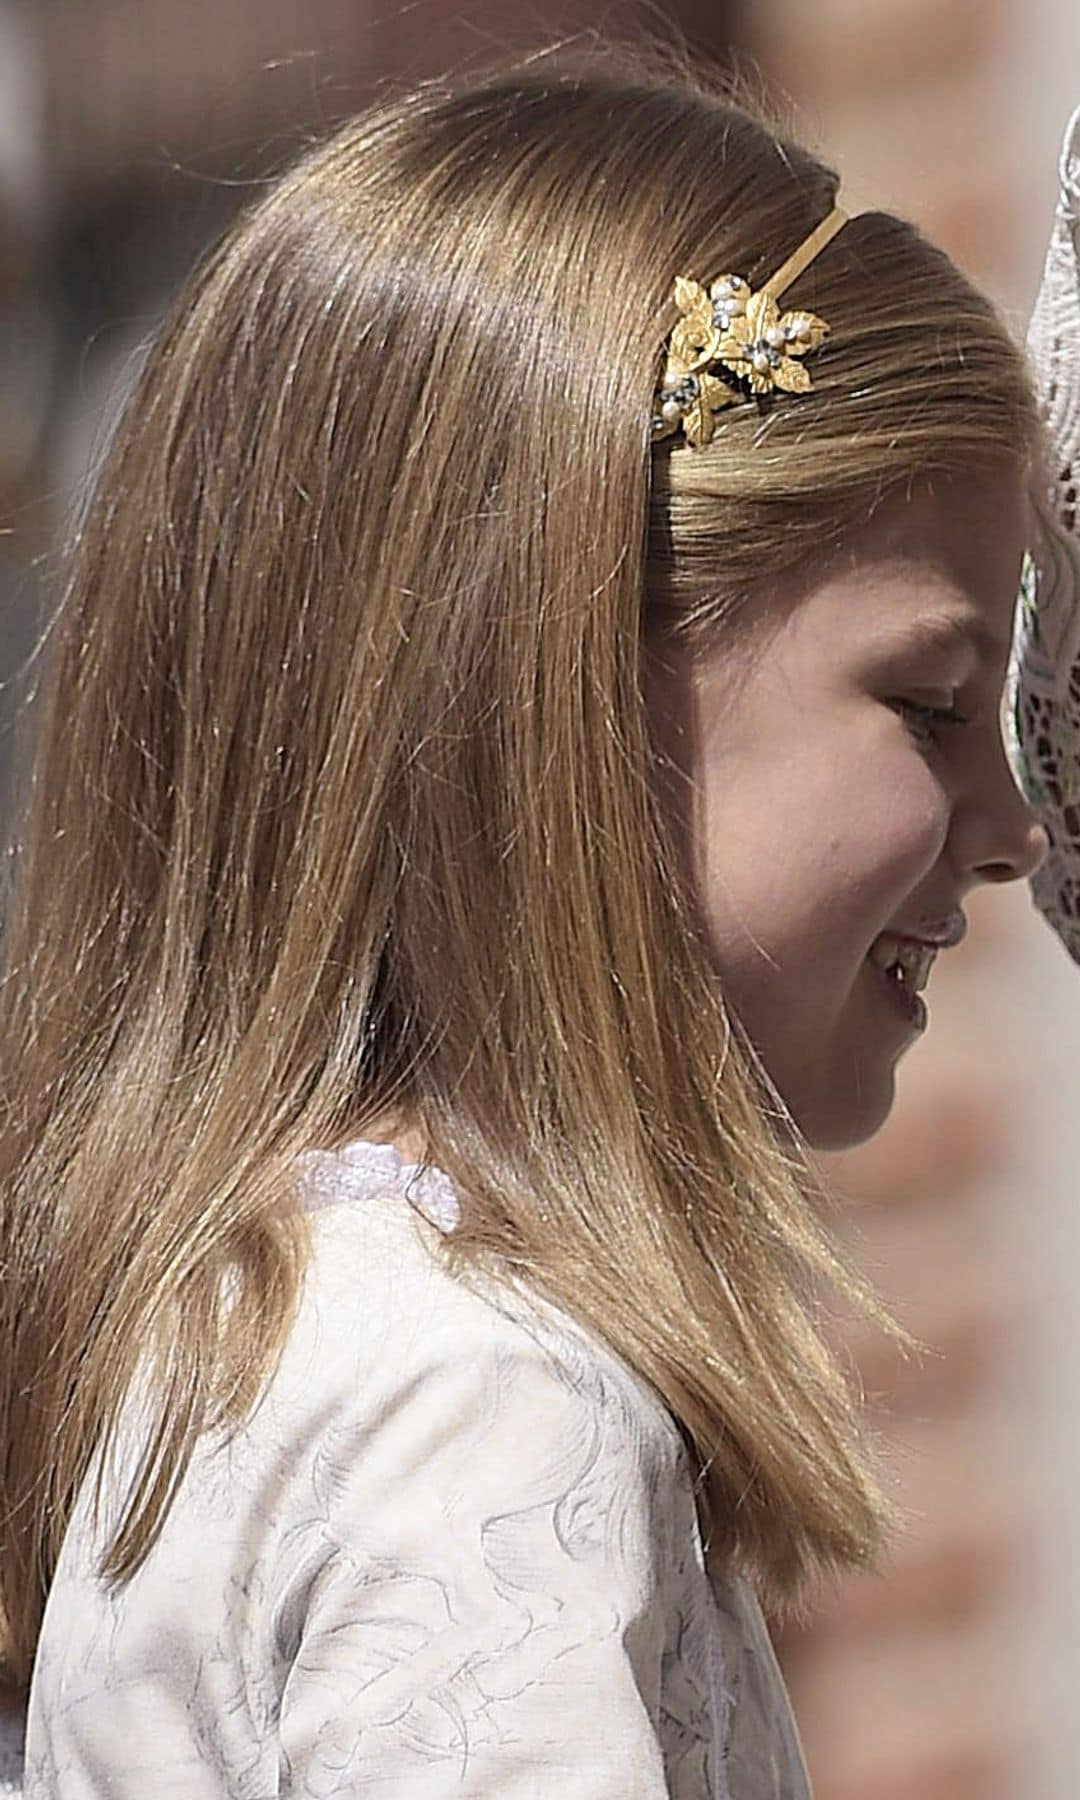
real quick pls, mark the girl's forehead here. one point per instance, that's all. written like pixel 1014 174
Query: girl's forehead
pixel 944 563
pixel 934 574
pixel 953 524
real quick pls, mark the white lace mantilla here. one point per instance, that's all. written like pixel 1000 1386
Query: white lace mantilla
pixel 1042 710
pixel 454 1552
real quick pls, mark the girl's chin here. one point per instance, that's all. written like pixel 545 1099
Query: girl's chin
pixel 839 1130
pixel 850 1109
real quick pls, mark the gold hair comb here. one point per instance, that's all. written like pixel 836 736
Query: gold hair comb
pixel 743 332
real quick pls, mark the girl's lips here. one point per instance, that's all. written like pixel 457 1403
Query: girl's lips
pixel 905 958
pixel 937 934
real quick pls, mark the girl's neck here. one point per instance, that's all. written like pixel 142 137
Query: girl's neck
pixel 403 1133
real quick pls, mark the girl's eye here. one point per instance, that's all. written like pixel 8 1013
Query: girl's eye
pixel 923 721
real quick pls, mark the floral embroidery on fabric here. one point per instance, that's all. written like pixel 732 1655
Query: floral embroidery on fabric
pixel 454 1549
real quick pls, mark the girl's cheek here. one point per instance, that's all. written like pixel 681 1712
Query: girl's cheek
pixel 922 822
pixel 901 820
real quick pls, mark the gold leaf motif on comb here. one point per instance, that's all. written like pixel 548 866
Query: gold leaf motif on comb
pixel 731 341
pixel 729 331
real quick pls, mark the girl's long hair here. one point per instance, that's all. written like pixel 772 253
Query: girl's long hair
pixel 342 797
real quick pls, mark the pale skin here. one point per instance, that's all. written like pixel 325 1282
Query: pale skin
pixel 818 804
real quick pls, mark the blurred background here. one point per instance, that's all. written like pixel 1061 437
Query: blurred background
pixel 129 132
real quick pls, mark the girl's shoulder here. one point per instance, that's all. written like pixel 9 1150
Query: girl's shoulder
pixel 399 1374
pixel 454 1518
pixel 382 1306
pixel 451 1517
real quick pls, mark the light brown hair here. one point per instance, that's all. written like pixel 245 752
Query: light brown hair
pixel 342 799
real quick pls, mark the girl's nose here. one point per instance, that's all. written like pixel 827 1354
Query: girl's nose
pixel 997 835
pixel 1029 848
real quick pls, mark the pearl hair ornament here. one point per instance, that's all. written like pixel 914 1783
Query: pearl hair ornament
pixel 741 331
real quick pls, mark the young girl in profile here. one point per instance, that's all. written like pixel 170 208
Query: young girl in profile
pixel 522 723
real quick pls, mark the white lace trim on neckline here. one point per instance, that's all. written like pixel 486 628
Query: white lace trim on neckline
pixel 364 1170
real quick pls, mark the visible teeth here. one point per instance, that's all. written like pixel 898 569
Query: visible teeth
pixel 909 963
pixel 917 964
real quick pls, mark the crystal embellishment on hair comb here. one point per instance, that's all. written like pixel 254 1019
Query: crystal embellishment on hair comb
pixel 741 332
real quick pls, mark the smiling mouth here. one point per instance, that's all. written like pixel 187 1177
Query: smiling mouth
pixel 906 963
pixel 904 970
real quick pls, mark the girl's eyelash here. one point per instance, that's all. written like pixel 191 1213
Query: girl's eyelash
pixel 921 719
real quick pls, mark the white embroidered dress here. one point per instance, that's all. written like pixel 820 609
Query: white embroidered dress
pixel 454 1552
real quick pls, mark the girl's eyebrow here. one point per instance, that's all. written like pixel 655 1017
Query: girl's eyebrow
pixel 960 628
pixel 946 632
